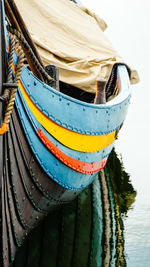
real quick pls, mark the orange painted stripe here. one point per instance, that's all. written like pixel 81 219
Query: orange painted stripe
pixel 77 165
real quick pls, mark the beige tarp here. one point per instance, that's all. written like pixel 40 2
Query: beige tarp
pixel 72 38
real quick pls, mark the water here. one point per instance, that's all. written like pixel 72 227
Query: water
pixel 129 23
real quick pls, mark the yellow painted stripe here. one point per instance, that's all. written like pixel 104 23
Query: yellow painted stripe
pixel 73 140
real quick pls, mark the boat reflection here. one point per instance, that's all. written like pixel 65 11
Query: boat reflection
pixel 122 196
pixel 87 232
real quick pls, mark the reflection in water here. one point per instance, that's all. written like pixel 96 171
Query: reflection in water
pixel 86 232
pixel 122 187
pixel 122 195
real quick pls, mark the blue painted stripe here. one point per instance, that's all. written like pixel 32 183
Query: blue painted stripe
pixel 56 170
pixel 76 115
pixel 86 157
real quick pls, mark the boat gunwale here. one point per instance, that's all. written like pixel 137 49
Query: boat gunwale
pixel 125 91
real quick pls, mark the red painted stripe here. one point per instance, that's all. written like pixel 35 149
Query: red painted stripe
pixel 75 164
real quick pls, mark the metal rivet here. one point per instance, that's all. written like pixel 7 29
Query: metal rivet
pixel 70 127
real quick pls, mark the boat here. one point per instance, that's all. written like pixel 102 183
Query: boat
pixel 52 144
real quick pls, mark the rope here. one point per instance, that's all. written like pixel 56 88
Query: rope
pixel 11 94
pixel 5 95
pixel 16 80
pixel 28 49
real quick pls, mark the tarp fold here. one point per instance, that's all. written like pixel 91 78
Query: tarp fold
pixel 72 38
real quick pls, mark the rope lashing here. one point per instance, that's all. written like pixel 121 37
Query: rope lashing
pixel 16 81
pixel 9 86
pixel 11 94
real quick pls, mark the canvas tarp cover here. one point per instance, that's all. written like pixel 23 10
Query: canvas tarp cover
pixel 71 37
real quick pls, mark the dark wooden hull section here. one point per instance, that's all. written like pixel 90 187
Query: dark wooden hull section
pixel 28 193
